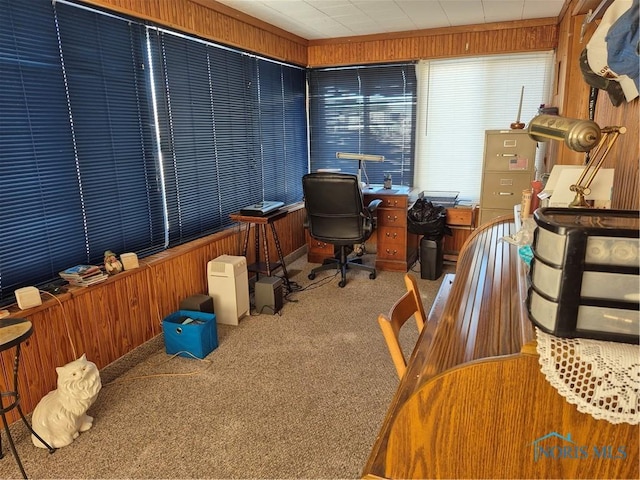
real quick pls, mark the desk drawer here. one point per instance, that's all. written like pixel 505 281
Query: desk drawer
pixel 460 216
pixel 392 251
pixel 388 217
pixel 388 201
pixel 399 202
pixel 396 236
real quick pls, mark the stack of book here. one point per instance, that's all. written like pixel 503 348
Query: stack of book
pixel 84 275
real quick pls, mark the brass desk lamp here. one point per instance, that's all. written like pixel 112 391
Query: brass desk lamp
pixel 579 136
pixel 361 157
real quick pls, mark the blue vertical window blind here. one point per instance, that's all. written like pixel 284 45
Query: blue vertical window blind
pixel 120 136
pixel 365 110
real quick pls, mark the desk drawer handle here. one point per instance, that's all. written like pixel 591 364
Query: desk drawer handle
pixel 505 194
pixel 394 203
pixel 390 252
pixel 394 235
pixel 392 218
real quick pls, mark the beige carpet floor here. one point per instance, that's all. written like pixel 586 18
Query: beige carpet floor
pixel 296 395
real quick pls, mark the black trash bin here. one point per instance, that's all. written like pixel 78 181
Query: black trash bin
pixel 431 258
pixel 429 220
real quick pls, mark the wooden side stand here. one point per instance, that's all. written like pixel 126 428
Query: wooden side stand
pixel 266 267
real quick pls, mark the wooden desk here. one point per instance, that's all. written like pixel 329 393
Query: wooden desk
pixel 260 223
pixel 461 220
pixel 471 405
pixel 396 248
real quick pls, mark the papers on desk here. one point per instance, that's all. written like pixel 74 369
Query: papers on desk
pixel 559 194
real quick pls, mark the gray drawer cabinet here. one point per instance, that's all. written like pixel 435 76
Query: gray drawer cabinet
pixel 508 168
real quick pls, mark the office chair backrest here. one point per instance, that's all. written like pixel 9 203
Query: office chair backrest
pixel 335 208
pixel 409 305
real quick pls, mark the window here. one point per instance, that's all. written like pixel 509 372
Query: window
pixel 368 110
pixel 121 136
pixel 461 98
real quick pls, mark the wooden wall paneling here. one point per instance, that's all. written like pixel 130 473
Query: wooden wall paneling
pixel 572 100
pixel 625 154
pixel 575 101
pixel 216 22
pixel 506 37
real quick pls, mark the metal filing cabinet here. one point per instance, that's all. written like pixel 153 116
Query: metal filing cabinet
pixel 508 169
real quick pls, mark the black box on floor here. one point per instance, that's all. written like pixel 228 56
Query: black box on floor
pixel 268 295
pixel 198 303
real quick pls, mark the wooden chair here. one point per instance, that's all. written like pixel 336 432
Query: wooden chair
pixel 409 305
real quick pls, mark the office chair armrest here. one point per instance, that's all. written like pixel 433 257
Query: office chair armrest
pixel 373 205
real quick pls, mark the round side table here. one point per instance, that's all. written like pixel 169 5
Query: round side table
pixel 14 331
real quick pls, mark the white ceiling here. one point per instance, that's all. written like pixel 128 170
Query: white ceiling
pixel 319 19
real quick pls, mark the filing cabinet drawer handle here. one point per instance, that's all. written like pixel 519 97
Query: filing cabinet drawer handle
pixel 505 194
pixel 392 252
pixel 394 235
pixel 393 219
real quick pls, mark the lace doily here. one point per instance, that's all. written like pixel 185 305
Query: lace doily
pixel 600 378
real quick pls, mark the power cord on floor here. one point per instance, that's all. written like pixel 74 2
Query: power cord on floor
pixel 156 375
pixel 318 283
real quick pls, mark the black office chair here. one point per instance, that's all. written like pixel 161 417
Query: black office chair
pixel 336 214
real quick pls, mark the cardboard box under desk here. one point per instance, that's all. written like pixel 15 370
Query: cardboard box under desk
pixel 190 331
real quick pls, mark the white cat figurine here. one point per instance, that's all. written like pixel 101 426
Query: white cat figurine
pixel 61 415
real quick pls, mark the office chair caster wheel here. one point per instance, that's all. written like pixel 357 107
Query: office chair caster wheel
pixel 342 283
pixel 372 275
pixel 311 276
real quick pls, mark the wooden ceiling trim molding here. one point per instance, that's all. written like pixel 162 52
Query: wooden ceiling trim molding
pixel 538 22
pixel 444 45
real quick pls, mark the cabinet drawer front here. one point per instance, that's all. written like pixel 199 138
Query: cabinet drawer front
pixel 320 247
pixel 503 191
pixel 392 218
pixel 509 152
pixel 391 236
pixel 460 216
pixel 399 201
pixel 392 252
pixel 388 201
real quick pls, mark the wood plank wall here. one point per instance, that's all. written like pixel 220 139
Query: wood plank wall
pixel 472 40
pixel 572 98
pixel 106 321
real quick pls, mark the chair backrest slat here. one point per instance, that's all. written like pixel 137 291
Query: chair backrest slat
pixel 407 306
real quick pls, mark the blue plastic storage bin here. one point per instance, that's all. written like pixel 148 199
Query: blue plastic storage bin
pixel 190 331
